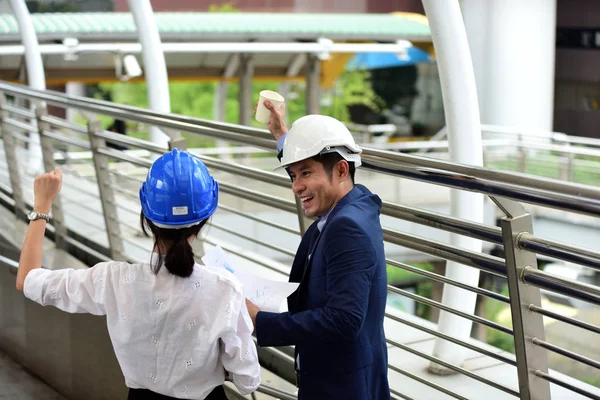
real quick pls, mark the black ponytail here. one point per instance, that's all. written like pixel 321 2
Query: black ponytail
pixel 179 259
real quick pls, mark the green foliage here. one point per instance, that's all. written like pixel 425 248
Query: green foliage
pixel 594 381
pixel 196 99
pixel 494 337
pixel 355 88
pixel 396 275
pixel 225 7
pixel 425 289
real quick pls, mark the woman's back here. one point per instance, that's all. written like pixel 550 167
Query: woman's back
pixel 171 335
pixel 175 326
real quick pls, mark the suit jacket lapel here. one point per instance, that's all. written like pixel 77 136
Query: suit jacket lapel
pixel 301 260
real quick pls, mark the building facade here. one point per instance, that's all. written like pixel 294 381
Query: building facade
pixel 318 6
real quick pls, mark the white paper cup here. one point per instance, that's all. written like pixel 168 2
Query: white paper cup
pixel 262 114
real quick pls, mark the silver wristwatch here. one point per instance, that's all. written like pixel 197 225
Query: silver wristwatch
pixel 34 215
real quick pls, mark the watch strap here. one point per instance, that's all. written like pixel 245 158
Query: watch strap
pixel 40 215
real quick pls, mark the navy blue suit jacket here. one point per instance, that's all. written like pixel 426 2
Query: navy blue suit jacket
pixel 335 318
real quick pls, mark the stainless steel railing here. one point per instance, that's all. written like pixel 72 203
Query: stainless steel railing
pixel 257 197
pixel 550 154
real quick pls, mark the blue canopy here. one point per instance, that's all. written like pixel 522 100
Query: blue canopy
pixel 413 55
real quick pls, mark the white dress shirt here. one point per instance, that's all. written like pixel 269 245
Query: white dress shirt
pixel 175 336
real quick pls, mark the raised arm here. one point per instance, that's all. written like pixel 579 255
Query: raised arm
pixel 45 189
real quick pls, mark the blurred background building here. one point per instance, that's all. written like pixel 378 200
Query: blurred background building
pixel 576 73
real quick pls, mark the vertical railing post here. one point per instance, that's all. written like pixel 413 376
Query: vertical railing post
pixel 569 176
pixel 109 206
pixel 527 325
pixel 522 155
pixel 178 143
pixel 58 219
pixel 11 161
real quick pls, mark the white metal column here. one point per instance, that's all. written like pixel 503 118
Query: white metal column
pixel 36 77
pixel 513 47
pixel 155 68
pixel 219 101
pixel 74 89
pixel 464 135
pixel 313 85
pixel 293 69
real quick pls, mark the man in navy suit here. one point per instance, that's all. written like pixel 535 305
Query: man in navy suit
pixel 335 318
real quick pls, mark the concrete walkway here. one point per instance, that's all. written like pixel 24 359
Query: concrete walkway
pixel 16 383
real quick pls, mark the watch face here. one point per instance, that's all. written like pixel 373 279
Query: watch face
pixel 32 215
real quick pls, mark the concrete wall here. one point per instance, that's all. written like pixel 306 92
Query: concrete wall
pixel 70 352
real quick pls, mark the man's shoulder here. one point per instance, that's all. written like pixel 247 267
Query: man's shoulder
pixel 360 216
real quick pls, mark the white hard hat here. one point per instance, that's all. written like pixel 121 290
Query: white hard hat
pixel 319 134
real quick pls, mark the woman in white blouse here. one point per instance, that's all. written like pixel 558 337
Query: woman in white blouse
pixel 176 326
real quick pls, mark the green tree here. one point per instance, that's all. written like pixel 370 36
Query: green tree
pixel 354 88
pixel 225 7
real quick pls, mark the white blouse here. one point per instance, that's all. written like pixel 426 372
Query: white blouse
pixel 171 335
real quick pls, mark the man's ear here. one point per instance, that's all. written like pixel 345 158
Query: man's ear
pixel 342 170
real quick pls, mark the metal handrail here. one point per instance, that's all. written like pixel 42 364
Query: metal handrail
pixel 278 393
pixel 491 233
pixel 20 125
pixel 566 353
pixel 578 198
pixel 464 344
pixel 557 284
pixel 261 220
pixel 61 123
pixel 258 197
pixel 248 172
pixel 131 141
pixel 566 385
pixel 561 251
pixel 546 192
pixel 242 254
pixel 426 382
pixel 439 278
pixel 8 261
pixel 400 395
pixel 19 111
pixel 567 320
pixel 552 193
pixel 489 264
pixel 436 304
pixel 69 140
pixel 454 368
pixel 254 240
pixel 432 219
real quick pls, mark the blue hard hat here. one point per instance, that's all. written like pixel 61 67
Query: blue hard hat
pixel 178 191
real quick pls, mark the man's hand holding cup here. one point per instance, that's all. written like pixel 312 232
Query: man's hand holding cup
pixel 270 110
